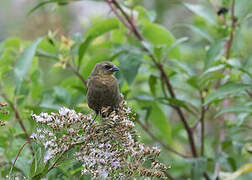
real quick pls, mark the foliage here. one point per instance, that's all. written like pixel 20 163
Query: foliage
pixel 192 93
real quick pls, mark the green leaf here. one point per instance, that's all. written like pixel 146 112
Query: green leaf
pixel 13 43
pixel 237 109
pixel 198 167
pixel 102 27
pixel 183 67
pixel 158 118
pixel 152 84
pixel 32 168
pixel 158 35
pixel 214 53
pixel 226 89
pixel 118 36
pixel 25 61
pixel 129 65
pixel 40 5
pixel 179 103
pixel 203 12
pixel 83 48
pixel 155 115
pixel 145 15
pixel 213 69
pixel 200 32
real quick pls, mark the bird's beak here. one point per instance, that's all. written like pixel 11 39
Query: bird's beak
pixel 114 68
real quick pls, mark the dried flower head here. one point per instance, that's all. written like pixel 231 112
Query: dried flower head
pixel 3 111
pixel 107 150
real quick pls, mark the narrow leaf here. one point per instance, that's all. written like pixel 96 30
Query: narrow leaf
pixel 202 11
pixel 247 168
pixel 83 48
pixel 152 84
pixel 232 88
pixel 158 35
pixel 25 61
pixel 102 27
pixel 237 109
pixel 214 53
pixel 40 5
pixel 200 32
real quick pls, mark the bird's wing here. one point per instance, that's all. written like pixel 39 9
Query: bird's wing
pixel 88 81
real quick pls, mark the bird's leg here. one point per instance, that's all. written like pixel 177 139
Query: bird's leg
pixel 96 114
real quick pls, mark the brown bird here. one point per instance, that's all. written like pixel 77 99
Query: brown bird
pixel 103 88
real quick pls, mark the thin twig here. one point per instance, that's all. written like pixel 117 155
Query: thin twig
pixel 19 119
pixel 202 122
pixel 20 150
pixel 76 72
pixel 165 146
pixel 118 15
pixel 228 46
pixel 130 21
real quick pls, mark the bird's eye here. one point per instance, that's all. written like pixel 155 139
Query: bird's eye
pixel 107 67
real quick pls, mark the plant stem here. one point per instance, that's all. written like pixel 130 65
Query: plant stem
pixel 202 122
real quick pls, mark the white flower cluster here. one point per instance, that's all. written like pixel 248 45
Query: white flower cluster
pixel 107 150
pixel 50 133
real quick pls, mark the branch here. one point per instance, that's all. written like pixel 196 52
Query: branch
pixel 20 121
pixel 118 15
pixel 179 111
pixel 130 21
pixel 161 69
pixel 168 148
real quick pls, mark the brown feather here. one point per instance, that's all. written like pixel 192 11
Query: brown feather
pixel 102 88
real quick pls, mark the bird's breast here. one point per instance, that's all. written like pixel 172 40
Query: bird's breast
pixel 103 91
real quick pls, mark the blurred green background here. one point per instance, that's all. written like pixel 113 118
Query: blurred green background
pixel 188 39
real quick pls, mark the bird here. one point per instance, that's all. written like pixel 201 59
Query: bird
pixel 103 88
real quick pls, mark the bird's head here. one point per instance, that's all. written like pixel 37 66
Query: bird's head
pixel 104 68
